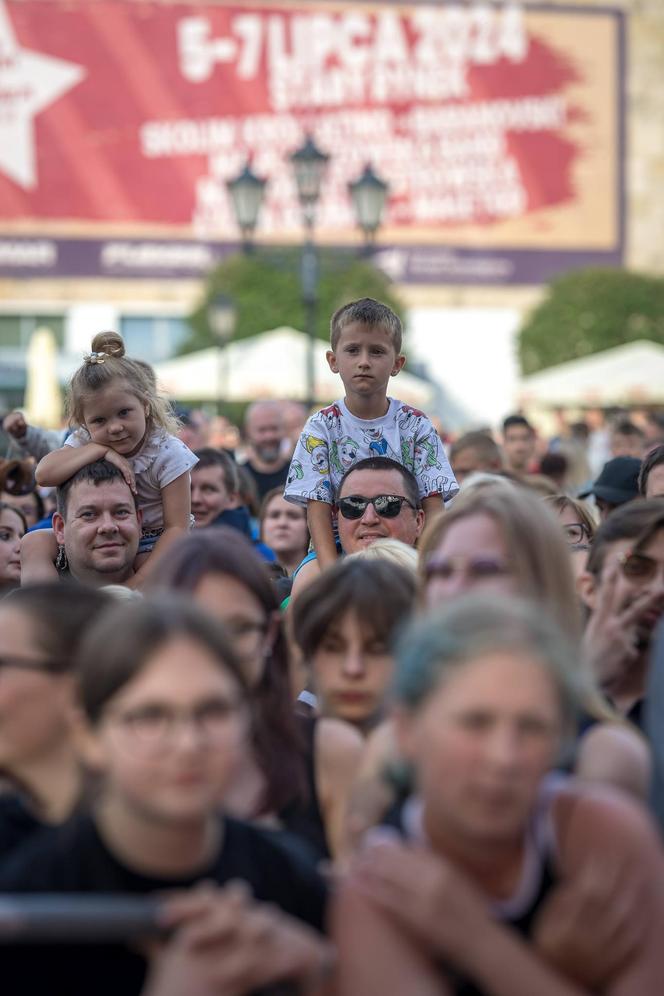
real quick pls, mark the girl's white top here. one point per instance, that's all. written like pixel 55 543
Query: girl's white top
pixel 159 462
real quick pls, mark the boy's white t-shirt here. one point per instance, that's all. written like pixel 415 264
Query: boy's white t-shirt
pixel 161 460
pixel 333 440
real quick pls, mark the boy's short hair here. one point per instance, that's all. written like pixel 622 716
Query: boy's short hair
pixel 208 456
pixel 373 314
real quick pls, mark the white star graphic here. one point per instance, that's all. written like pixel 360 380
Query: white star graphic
pixel 29 82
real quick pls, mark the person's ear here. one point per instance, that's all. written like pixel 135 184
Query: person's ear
pixel 59 528
pixel 586 586
pixel 331 358
pixel 234 500
pixel 420 519
pixel 398 365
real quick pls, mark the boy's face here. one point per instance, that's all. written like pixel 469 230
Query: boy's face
pixel 365 359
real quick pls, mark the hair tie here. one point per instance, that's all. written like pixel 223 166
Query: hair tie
pixel 95 358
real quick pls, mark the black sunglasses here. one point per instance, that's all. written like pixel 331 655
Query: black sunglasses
pixel 387 506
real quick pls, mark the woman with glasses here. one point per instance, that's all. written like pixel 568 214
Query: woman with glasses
pixel 298 771
pixel 163 719
pixel 499 879
pixel 12 529
pixel 40 630
pixel 578 526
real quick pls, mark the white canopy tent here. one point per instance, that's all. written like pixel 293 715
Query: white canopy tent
pixel 269 365
pixel 632 374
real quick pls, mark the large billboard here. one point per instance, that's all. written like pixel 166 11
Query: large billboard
pixel 499 128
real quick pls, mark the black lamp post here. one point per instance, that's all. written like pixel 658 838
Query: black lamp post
pixel 221 316
pixel 368 194
pixel 309 166
pixel 246 192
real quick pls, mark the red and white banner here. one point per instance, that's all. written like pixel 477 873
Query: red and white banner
pixel 498 127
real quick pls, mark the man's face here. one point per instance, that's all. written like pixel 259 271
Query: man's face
pixel 628 589
pixel 265 432
pixel 356 534
pixel 209 494
pixel 101 532
pixel 519 447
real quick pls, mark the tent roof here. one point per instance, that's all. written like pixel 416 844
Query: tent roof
pixel 270 365
pixel 626 375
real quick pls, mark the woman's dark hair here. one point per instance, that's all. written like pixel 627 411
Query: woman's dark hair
pixel 117 645
pixel 278 748
pixel 60 613
pixel 653 459
pixel 379 592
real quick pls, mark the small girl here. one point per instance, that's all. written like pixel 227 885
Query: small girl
pixel 120 417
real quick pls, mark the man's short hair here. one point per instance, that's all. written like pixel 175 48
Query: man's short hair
pixel 652 460
pixel 373 314
pixel 517 422
pixel 99 472
pixel 411 490
pixel 208 456
pixel 481 442
pixel 636 520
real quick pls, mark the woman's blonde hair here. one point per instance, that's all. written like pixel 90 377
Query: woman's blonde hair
pixel 390 549
pixel 106 363
pixel 535 545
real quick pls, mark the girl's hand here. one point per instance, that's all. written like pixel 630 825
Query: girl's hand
pixel 123 466
pixel 426 895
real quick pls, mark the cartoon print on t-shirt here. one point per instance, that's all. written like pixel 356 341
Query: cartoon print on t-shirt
pixel 378 445
pixel 343 454
pixel 317 448
pixel 409 418
pixel 295 472
pixel 425 455
pixel 331 416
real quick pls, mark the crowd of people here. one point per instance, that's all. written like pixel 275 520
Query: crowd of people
pixel 334 706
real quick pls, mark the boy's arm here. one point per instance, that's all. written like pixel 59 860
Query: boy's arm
pixel 38 552
pixel 319 519
pixel 432 505
pixel 59 465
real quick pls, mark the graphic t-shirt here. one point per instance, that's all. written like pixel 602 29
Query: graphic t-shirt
pixel 333 440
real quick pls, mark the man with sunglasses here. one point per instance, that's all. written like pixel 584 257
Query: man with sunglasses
pixel 378 499
pixel 623 587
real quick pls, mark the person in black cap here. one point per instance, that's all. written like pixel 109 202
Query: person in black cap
pixel 617 483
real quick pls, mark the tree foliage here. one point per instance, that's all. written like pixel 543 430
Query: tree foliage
pixel 265 289
pixel 590 310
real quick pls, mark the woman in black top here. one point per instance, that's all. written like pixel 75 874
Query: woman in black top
pixel 299 770
pixel 164 720
pixel 40 630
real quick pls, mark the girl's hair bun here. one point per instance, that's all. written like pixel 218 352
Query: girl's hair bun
pixel 110 343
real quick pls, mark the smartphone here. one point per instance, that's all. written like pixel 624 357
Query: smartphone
pixel 80 917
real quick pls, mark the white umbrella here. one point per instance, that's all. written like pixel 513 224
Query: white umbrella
pixel 269 365
pixel 632 374
pixel 43 399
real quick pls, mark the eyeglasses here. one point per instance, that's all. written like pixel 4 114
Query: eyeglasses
pixel 637 566
pixel 576 533
pixel 155 727
pixel 386 506
pixel 475 568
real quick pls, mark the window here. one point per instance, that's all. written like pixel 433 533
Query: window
pixel 15 330
pixel 153 339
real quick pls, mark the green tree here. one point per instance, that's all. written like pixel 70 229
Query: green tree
pixel 590 310
pixel 265 289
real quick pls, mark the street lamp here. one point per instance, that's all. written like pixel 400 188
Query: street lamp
pixel 309 164
pixel 368 194
pixel 221 317
pixel 246 192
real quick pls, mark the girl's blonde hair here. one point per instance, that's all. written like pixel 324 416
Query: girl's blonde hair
pixel 389 549
pixel 106 363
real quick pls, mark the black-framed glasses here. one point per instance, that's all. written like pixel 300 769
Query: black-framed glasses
pixel 155 726
pixel 386 506
pixel 637 566
pixel 576 533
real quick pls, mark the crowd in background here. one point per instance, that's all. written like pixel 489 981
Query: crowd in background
pixel 433 765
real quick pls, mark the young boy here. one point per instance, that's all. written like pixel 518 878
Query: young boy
pixel 366 352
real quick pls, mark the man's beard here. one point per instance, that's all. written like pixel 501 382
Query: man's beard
pixel 268 454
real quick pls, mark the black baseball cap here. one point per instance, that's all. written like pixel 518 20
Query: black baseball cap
pixel 618 481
